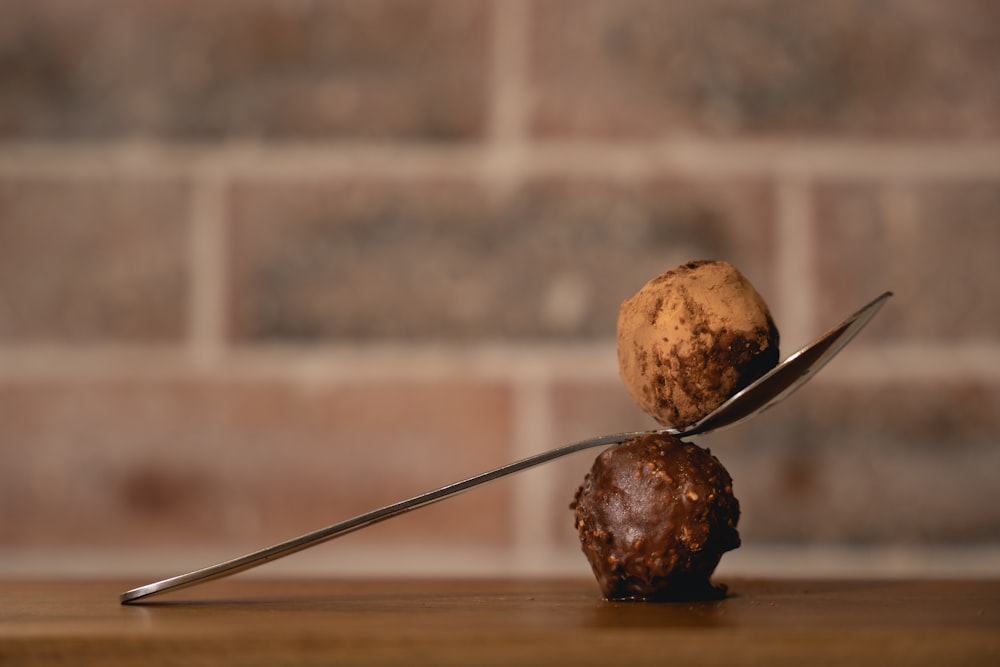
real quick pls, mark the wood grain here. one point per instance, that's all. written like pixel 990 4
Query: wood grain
pixel 484 622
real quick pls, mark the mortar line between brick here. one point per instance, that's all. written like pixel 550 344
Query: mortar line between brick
pixel 532 489
pixel 973 360
pixel 796 263
pixel 331 364
pixel 806 158
pixel 209 268
pixel 900 213
pixel 505 137
pixel 911 362
pixel 507 92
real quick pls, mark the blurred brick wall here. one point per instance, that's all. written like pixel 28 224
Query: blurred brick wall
pixel 265 265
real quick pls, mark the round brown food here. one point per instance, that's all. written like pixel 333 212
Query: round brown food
pixel 691 338
pixel 654 515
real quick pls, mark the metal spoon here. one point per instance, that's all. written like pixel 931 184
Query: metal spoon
pixel 760 395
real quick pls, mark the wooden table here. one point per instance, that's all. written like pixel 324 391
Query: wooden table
pixel 249 621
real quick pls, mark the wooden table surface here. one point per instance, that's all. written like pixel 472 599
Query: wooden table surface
pixel 251 621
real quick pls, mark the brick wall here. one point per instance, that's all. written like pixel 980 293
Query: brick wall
pixel 265 265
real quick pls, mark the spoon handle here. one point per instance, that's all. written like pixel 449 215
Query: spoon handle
pixel 362 521
pixel 771 388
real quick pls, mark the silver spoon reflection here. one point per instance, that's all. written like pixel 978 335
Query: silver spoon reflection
pixel 766 391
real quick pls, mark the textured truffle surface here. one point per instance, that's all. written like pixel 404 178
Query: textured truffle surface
pixel 654 516
pixel 691 338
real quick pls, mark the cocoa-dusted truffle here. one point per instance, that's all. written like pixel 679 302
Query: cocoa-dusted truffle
pixel 654 516
pixel 691 338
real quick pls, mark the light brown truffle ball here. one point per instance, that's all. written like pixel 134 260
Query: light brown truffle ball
pixel 691 338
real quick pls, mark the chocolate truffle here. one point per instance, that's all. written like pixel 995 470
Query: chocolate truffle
pixel 654 516
pixel 691 338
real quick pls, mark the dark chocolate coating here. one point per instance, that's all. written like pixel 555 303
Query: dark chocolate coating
pixel 655 515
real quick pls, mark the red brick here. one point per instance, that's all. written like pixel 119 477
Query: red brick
pixel 181 463
pixel 258 68
pixel 93 260
pixel 934 244
pixel 896 463
pixel 347 259
pixel 650 68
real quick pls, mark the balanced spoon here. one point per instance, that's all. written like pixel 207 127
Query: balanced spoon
pixel 771 388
